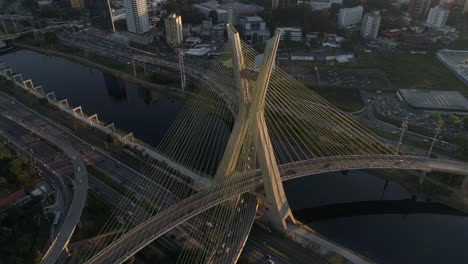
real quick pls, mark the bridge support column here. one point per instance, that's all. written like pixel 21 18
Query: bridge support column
pixel 251 117
pixel 28 85
pixel 78 108
pixel 51 97
pixel 64 102
pixel 279 211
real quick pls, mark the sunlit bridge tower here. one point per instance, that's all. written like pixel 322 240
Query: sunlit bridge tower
pixel 251 119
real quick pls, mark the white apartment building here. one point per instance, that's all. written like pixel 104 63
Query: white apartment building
pixel 350 16
pixel 370 25
pixel 137 16
pixel 437 17
pixel 295 33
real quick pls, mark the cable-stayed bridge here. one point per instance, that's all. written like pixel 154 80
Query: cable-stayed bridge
pixel 277 130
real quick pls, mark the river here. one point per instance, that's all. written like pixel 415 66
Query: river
pixel 404 231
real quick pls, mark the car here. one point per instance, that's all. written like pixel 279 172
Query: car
pixel 73 157
pixel 270 261
pixel 78 169
pixel 208 224
pixel 130 213
pixel 268 256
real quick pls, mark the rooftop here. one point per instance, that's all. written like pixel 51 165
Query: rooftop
pixel 430 99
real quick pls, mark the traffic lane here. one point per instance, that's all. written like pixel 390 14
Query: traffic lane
pixel 286 248
pixel 123 172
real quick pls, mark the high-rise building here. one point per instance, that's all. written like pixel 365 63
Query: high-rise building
pixel 350 16
pixel 100 14
pixel 77 4
pixel 370 25
pixel 137 16
pixel 173 26
pixel 437 17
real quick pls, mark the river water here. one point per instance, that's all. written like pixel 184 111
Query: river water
pixel 404 231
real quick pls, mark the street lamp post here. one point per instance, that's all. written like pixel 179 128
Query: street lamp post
pixel 404 127
pixel 437 131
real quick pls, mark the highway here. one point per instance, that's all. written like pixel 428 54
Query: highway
pixel 262 246
pixel 113 168
pixel 133 241
pixel 80 183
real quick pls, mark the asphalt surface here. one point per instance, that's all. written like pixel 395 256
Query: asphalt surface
pixel 13 111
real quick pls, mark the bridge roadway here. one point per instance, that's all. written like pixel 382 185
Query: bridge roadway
pixel 142 235
pixel 78 199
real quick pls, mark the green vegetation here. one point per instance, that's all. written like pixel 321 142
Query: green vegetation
pixel 5 4
pixel 17 171
pixel 106 179
pixel 460 44
pixel 439 190
pixel 95 214
pixel 120 25
pixel 348 100
pixel 412 71
pixel 185 8
pixel 65 13
pixel 23 233
pixel 49 41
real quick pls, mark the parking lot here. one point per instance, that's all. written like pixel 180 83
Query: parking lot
pixel 366 79
pixel 388 106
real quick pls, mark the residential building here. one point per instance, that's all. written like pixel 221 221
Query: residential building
pixel 254 29
pixel 370 25
pixel 293 33
pixel 77 4
pixel 218 32
pixel 137 16
pixel 173 27
pixel 350 16
pixel 437 17
pixel 229 12
pixel 100 14
pixel 317 5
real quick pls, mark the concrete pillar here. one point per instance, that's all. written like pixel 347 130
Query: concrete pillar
pixel 238 134
pixel 78 108
pixel 279 211
pixel 65 103
pixel 51 97
pixel 28 84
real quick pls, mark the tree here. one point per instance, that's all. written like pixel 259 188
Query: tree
pixel 4 152
pixel 454 120
pixel 214 16
pixel 120 25
pixel 437 118
pixel 51 38
pixel 347 45
pixel 3 181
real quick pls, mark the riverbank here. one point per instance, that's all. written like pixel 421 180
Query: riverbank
pixel 170 90
pixel 447 192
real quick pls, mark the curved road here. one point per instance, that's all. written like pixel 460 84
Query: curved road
pixel 80 189
pixel 142 235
